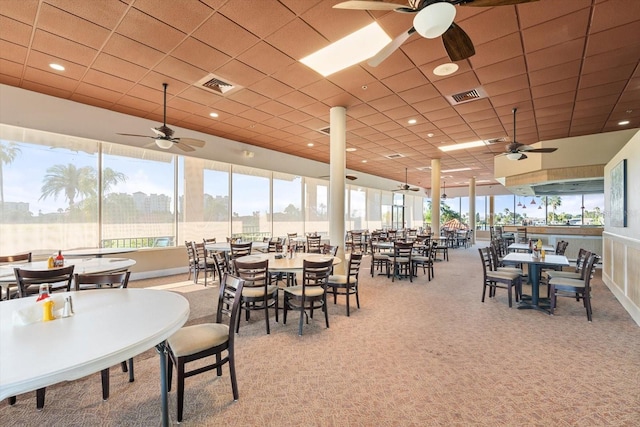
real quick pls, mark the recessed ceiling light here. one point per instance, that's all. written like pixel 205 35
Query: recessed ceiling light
pixel 351 149
pixel 445 69
pixel 623 122
pixel 348 51
pixel 56 67
pixel 430 135
pixel 412 121
pixel 310 144
pixel 456 170
pixel 214 115
pixel 364 161
pixel 462 146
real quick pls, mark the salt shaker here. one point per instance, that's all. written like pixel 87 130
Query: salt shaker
pixel 68 307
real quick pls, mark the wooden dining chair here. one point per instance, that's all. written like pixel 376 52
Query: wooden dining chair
pixel 205 262
pixel 313 244
pixel 311 294
pixel 493 279
pixel 575 288
pixel 240 249
pixel 346 284
pixel 200 341
pixel 258 292
pixel 12 288
pixel 401 261
pixel 86 282
pixel 29 281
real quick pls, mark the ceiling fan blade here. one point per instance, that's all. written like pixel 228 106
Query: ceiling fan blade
pixel 133 134
pixel 524 156
pixel 371 5
pixel 158 132
pixel 184 147
pixel 541 150
pixel 489 3
pixel 414 189
pixel 457 43
pixel 391 47
pixel 190 141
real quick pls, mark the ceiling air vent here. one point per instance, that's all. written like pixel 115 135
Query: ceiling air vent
pixel 326 131
pixel 394 156
pixel 215 84
pixel 470 95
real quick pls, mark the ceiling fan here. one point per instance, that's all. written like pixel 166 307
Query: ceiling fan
pixel 406 187
pixel 516 150
pixel 434 18
pixel 164 134
pixel 348 176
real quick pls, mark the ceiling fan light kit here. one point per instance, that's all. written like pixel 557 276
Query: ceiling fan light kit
pixel 434 20
pixel 514 156
pixel 165 144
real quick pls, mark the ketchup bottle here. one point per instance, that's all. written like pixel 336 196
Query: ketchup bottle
pixel 59 261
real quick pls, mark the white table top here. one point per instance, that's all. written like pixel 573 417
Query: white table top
pixel 288 264
pixel 109 326
pixel 525 247
pixel 97 252
pixel 82 266
pixel 226 247
pixel 519 257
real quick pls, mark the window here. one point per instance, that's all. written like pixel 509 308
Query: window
pixel 373 209
pixel 482 214
pixel 250 203
pixel 504 210
pixel 317 205
pixel 287 205
pixel 358 209
pixel 593 209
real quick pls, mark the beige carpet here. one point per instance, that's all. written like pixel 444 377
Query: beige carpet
pixel 415 354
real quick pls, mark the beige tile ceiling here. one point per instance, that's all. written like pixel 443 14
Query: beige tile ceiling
pixel 571 67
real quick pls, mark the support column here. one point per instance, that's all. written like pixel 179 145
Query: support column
pixel 491 211
pixel 435 196
pixel 472 209
pixel 337 166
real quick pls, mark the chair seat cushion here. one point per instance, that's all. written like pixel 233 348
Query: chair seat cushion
pixel 258 291
pixel 502 275
pixel 420 258
pixel 340 279
pixel 511 269
pixel 193 339
pixel 566 283
pixel 401 259
pixel 565 274
pixel 383 257
pixel 312 291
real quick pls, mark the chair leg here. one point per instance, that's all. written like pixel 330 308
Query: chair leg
pixel 347 289
pixel 509 289
pixel 301 317
pixel 104 374
pixel 11 400
pixel 357 296
pixel 552 306
pixel 587 304
pixel 131 376
pixel 326 310
pixel 266 313
pixel 232 374
pixel 40 398
pixel 180 391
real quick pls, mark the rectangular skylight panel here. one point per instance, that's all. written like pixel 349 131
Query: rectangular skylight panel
pixel 463 146
pixel 348 51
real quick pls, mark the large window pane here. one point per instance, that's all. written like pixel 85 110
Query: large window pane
pixel 503 210
pixel 373 209
pixel 358 208
pixel 482 213
pixel 316 205
pixel 250 204
pixel 48 193
pixel 594 209
pixel 287 205
pixel 138 204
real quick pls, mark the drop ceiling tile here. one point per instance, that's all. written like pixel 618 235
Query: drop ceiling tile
pixel 14 31
pixel 495 51
pixel 98 78
pixel 149 31
pixel 530 14
pixel 552 100
pixel 422 51
pixel 321 89
pixel 612 89
pixel 130 50
pixel 297 75
pixel 304 42
pixel 12 72
pixel 611 14
pixel 429 105
pixel 248 97
pixel 556 31
pixel 491 24
pixel 13 52
pixel 296 99
pixel 42 60
pixel 184 15
pixel 353 79
pixel 405 80
pixel 69 26
pixel 20 10
pixel 502 70
pixel 624 36
pixel 512 98
pixel 118 67
pixel 239 73
pixel 271 15
pixel 200 55
pixel 98 92
pixel 62 48
pixel 419 93
pixel 45 89
pixel 457 83
pixel 555 73
pixel 619 74
pixel 555 55
pixel 568 85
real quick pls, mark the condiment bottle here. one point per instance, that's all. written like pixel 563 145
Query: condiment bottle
pixel 542 253
pixel 59 261
pixel 43 292
pixel 50 262
pixel 47 310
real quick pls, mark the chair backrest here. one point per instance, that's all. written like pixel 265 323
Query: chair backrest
pixel 240 249
pixel 313 244
pixel 191 252
pixel 485 256
pixel 402 250
pixel 29 281
pixel 315 273
pixel 290 237
pixel 26 257
pixel 201 252
pixel 354 267
pixel 582 256
pixel 495 261
pixel 328 249
pixel 561 247
pixel 229 303
pixel 254 274
pixel 274 245
pixel 590 269
pixel 221 263
pixel 209 241
pixel 83 282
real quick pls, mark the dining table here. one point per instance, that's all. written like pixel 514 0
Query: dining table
pixel 286 264
pixel 106 328
pixel 226 246
pixel 96 252
pixel 81 266
pixel 524 247
pixel 534 268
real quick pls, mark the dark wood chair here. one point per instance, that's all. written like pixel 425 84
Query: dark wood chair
pixel 194 265
pixel 347 284
pixel 206 263
pixel 575 288
pixel 85 282
pixel 493 279
pixel 401 266
pixel 328 249
pixel 423 257
pixel 379 260
pixel 258 292
pixel 313 244
pixel 240 249
pixel 12 288
pixel 312 294
pixel 197 342
pixel 29 281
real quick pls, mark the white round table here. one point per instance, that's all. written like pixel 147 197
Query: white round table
pixel 226 247
pixel 107 328
pixel 96 252
pixel 286 264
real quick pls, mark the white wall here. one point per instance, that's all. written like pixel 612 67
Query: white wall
pixel 621 245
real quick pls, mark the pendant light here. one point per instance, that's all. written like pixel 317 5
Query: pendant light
pixel 533 201
pixel 444 191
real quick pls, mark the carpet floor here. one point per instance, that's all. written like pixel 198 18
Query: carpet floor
pixel 415 354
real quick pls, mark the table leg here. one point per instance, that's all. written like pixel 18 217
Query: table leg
pixel 162 352
pixel 534 278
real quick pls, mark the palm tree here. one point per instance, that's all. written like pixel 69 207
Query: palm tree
pixel 111 177
pixel 8 153
pixel 554 202
pixel 71 181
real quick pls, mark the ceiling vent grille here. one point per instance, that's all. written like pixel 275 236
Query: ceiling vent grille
pixel 215 84
pixel 467 96
pixel 424 168
pixel 394 156
pixel 326 131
